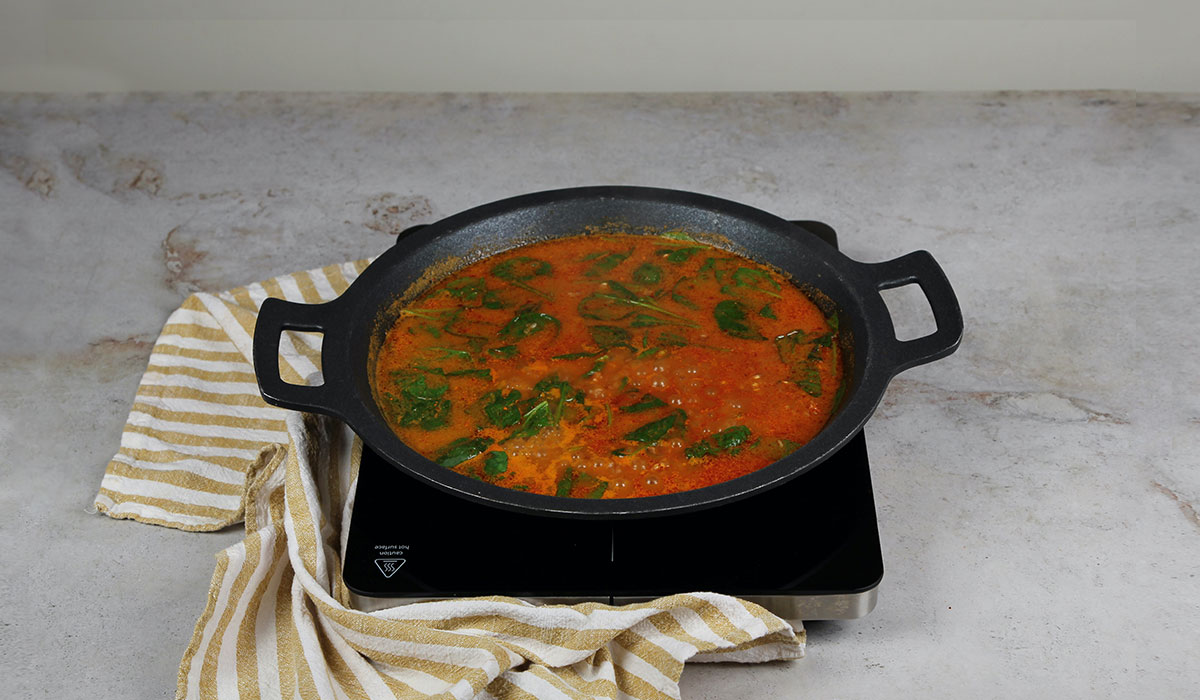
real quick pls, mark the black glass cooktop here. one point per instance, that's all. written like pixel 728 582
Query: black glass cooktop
pixel 807 549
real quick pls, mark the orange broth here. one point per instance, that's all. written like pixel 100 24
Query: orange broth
pixel 610 366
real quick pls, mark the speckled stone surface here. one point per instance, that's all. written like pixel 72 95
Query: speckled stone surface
pixel 1037 491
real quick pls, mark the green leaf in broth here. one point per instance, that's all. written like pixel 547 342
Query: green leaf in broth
pixel 757 280
pixel 534 420
pixel 677 256
pixel 620 290
pixel 461 450
pixel 679 292
pixel 656 430
pixel 418 402
pixel 492 300
pixel 501 408
pixel 503 351
pixel 483 373
pixel 607 263
pixel 599 306
pixel 576 355
pixel 609 336
pixel 620 304
pixel 647 321
pixel 597 366
pixel 800 352
pixel 727 440
pixel 528 322
pixel 648 402
pixel 447 353
pixel 767 312
pixel 521 269
pixel 432 314
pixel 647 274
pixel 733 318
pixel 566 482
pixel 495 463
pixel 670 339
pixel 571 481
pixel 466 288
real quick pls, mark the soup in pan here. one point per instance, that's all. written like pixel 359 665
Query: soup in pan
pixel 610 366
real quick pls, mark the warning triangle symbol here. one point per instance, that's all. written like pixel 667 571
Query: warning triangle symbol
pixel 389 567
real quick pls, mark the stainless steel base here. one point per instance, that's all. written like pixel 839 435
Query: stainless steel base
pixel 837 606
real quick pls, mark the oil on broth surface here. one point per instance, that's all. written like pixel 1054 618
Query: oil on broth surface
pixel 610 366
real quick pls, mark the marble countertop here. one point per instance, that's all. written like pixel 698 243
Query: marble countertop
pixel 1037 491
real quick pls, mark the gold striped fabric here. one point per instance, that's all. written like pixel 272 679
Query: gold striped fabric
pixel 201 451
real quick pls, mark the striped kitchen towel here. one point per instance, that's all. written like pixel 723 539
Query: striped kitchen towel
pixel 201 451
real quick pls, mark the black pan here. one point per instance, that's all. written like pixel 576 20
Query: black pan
pixel 354 324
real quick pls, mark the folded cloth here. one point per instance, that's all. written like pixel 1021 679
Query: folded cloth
pixel 201 451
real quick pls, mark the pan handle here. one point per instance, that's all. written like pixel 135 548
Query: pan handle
pixel 276 316
pixel 920 267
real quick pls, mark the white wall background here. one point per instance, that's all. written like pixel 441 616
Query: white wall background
pixel 613 45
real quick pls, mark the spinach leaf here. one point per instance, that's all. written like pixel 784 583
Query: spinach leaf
pixel 503 351
pixel 517 272
pixel 461 450
pixel 606 263
pixel 485 374
pixel 535 420
pixel 571 480
pixel 521 269
pixel 447 353
pixel 467 288
pixel 654 431
pixel 417 402
pixel 621 303
pixel 596 366
pixel 559 392
pixel 482 373
pixel 719 268
pixel 648 274
pixel 646 321
pixel 756 280
pixel 448 327
pixel 732 317
pixel 566 482
pixel 605 307
pixel 495 463
pixel 648 402
pixel 528 322
pixel 622 291
pixel 767 312
pixel 444 315
pixel 501 408
pixel 682 286
pixel 670 339
pixel 579 356
pixel 801 352
pixel 677 256
pixel 576 355
pixel 492 300
pixel 726 440
pixel 610 336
